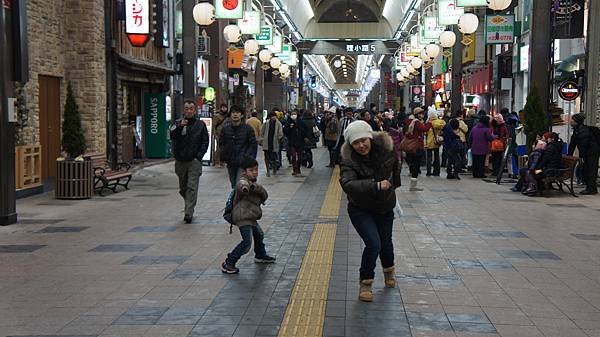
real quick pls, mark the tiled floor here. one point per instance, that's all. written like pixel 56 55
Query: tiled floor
pixel 472 259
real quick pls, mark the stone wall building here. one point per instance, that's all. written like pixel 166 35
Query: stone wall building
pixel 66 45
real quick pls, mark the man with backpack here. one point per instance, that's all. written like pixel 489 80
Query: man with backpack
pixel 587 140
pixel 190 143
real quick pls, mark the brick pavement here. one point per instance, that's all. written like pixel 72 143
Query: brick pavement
pixel 473 259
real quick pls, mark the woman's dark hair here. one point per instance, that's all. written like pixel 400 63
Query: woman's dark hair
pixel 485 120
pixel 248 162
pixel 271 114
pixel 482 113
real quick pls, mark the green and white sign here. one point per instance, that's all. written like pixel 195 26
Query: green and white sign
pixel 229 9
pixel 471 3
pixel 285 52
pixel 292 59
pixel 499 29
pixel 449 12
pixel 277 44
pixel 156 141
pixel 265 37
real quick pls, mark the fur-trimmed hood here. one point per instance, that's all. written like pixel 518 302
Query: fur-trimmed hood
pixel 381 142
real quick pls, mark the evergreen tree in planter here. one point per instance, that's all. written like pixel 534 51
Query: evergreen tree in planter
pixel 536 120
pixel 73 140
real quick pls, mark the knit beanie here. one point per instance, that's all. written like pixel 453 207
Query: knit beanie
pixel 357 130
pixel 579 118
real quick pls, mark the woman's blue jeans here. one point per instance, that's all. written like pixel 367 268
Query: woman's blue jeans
pixel 248 233
pixel 376 232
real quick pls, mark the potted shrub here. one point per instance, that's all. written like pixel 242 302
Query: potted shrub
pixel 74 174
pixel 535 119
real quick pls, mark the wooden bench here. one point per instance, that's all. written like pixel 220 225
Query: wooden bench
pixel 559 179
pixel 105 178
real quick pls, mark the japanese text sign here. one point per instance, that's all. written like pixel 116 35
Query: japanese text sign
pixel 471 3
pixel 499 29
pixel 250 24
pixel 360 48
pixel 448 12
pixel 137 16
pixel 265 37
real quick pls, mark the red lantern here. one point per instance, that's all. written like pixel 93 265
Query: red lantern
pixel 138 40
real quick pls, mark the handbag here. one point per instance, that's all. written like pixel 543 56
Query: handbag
pixel 316 132
pixel 497 145
pixel 410 145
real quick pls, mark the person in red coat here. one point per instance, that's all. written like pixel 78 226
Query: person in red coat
pixel 414 128
pixel 499 130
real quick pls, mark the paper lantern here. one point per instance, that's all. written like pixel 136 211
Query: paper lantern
pixel 410 68
pixel 204 14
pixel 284 68
pixel 498 5
pixel 265 56
pixel 433 50
pixel 251 47
pixel 447 39
pixel 404 73
pixel 399 77
pixel 468 23
pixel 275 63
pixel 232 33
pixel 416 62
pixel 424 57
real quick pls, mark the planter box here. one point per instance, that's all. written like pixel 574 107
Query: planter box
pixel 74 179
pixel 28 166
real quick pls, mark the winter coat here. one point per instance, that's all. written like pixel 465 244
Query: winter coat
pixel 397 136
pixel 249 196
pixel 360 175
pixel 332 127
pixel 419 130
pixel 534 160
pixel 296 132
pixel 500 131
pixel 463 130
pixel 583 139
pixel 218 121
pixel 277 137
pixel 552 157
pixel 451 140
pixel 191 145
pixel 480 139
pixel 256 125
pixel 437 127
pixel 236 143
pixel 309 123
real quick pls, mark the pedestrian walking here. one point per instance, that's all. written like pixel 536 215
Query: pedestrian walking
pixel 454 148
pixel 370 174
pixel 247 201
pixel 499 130
pixel 237 141
pixel 190 143
pixel 330 134
pixel 480 139
pixel 255 124
pixel 218 121
pixel 586 140
pixel 344 122
pixel 271 138
pixel 435 140
pixel 296 134
pixel 312 135
pixel 414 129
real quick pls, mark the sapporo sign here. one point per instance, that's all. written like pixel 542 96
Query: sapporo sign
pixel 155 126
pixel 499 29
pixel 569 91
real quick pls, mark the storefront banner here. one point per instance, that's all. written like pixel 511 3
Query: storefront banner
pixel 449 12
pixel 499 29
pixel 524 58
pixel 285 52
pixel 265 37
pixel 202 76
pixel 292 59
pixel 137 16
pixel 277 45
pixel 417 96
pixel 431 30
pixel 156 140
pixel 471 3
pixel 208 155
pixel 251 23
pixel 229 9
pixel 401 60
pixel 568 19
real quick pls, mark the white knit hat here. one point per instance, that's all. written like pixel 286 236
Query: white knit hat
pixel 357 130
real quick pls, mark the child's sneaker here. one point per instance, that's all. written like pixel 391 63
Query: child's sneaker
pixel 227 269
pixel 264 259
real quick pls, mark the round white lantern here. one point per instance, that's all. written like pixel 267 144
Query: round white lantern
pixel 498 5
pixel 204 14
pixel 265 56
pixel 251 47
pixel 433 50
pixel 468 23
pixel 275 63
pixel 232 33
pixel 447 39
pixel 404 73
pixel 399 77
pixel 410 68
pixel 424 57
pixel 337 63
pixel 416 62
pixel 284 68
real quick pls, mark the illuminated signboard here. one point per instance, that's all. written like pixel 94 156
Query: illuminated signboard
pixel 137 21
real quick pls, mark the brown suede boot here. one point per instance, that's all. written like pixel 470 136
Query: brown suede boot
pixel 390 277
pixel 365 293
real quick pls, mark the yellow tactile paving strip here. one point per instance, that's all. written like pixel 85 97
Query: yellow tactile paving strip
pixel 305 314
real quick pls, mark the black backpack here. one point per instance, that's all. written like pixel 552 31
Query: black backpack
pixel 596 133
pixel 228 211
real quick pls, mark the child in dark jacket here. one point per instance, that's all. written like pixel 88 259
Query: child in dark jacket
pixel 249 196
pixel 527 183
pixel 454 148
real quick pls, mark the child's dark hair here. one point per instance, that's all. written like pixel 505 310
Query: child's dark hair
pixel 248 162
pixel 454 124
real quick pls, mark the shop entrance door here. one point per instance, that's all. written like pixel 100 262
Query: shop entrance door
pixel 49 124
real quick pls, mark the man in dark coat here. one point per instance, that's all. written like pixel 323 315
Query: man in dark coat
pixel 190 143
pixel 583 138
pixel 237 142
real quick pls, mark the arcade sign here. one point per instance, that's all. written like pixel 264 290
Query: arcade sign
pixel 569 91
pixel 137 22
pixel 229 9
